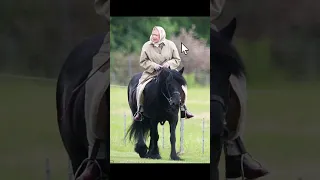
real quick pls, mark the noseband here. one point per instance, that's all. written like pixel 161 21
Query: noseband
pixel 169 99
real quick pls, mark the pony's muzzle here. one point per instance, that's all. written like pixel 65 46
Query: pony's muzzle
pixel 174 104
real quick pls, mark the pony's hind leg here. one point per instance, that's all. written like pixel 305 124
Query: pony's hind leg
pixel 141 147
pixel 154 149
pixel 173 154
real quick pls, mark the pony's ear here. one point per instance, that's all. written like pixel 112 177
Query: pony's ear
pixel 181 70
pixel 229 30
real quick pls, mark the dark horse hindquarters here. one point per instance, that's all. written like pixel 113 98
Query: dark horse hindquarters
pixel 70 106
pixel 156 109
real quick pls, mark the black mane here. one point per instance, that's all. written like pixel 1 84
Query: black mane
pixel 177 76
pixel 223 53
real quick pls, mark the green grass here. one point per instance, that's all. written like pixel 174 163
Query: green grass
pixel 282 130
pixel 28 130
pixel 123 152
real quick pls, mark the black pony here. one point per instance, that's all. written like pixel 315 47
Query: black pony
pixel 162 98
pixel 70 99
pixel 225 61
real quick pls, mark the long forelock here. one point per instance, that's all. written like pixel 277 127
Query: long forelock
pixel 179 77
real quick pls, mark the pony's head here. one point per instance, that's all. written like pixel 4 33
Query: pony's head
pixel 222 51
pixel 170 83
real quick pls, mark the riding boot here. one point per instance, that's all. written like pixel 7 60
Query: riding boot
pixel 185 113
pixel 138 114
pixel 240 163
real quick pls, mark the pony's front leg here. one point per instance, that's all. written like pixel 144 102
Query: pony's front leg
pixel 153 147
pixel 141 147
pixel 173 126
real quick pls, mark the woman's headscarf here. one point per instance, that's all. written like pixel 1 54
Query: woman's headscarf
pixel 216 7
pixel 162 33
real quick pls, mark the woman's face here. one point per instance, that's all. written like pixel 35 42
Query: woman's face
pixel 155 36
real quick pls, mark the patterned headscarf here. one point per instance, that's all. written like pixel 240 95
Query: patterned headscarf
pixel 162 33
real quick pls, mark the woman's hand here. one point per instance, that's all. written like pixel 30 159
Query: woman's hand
pixel 166 65
pixel 157 67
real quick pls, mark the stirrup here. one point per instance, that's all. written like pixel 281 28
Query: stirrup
pixel 183 111
pixel 86 162
pixel 183 114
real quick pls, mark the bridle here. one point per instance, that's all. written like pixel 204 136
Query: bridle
pixel 170 95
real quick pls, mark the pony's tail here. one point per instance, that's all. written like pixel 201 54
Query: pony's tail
pixel 138 129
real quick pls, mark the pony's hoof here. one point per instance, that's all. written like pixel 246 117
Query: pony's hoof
pixel 176 158
pixel 141 150
pixel 154 156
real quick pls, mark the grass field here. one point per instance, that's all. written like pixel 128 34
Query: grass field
pixel 198 103
pixel 282 131
pixel 28 130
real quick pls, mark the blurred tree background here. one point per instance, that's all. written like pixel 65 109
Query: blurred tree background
pixel 128 34
pixel 36 37
pixel 278 40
